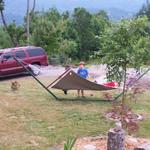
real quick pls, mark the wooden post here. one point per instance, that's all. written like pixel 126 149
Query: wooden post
pixel 116 139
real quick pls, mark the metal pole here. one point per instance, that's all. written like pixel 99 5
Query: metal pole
pixel 28 22
pixel 20 63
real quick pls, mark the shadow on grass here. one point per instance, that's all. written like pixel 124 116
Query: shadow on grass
pixel 87 99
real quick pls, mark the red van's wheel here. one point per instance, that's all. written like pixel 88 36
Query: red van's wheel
pixel 36 64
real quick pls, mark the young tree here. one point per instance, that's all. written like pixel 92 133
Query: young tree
pixel 124 46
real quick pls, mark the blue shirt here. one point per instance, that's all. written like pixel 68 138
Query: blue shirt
pixel 82 73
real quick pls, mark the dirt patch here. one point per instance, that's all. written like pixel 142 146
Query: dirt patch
pixel 100 143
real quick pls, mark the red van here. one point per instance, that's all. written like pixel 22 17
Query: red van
pixel 29 54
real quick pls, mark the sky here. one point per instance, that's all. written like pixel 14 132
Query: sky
pixel 16 9
pixel 70 4
pixel 127 5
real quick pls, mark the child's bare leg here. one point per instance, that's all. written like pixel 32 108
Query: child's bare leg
pixel 78 93
pixel 82 92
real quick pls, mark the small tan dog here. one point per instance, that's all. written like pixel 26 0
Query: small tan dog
pixel 15 86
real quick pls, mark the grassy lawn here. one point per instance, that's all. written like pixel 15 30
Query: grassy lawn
pixel 31 119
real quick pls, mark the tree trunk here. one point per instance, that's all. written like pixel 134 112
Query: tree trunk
pixel 6 28
pixel 33 8
pixel 31 13
pixel 3 19
pixel 28 22
pixel 116 139
pixel 124 85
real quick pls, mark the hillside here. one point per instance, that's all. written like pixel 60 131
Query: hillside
pixel 116 8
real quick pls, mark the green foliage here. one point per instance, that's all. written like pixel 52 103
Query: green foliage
pixel 68 47
pixel 48 29
pixel 82 20
pixel 143 55
pixel 125 45
pixel 1 5
pixel 100 22
pixel 5 40
pixel 145 10
pixel 73 35
pixel 88 27
pixel 18 34
pixel 80 34
pixel 69 144
pixel 45 33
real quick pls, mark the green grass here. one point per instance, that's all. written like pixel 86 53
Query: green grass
pixel 31 119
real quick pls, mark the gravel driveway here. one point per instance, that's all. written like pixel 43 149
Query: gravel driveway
pixel 97 71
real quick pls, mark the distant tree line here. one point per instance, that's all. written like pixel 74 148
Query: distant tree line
pixel 78 34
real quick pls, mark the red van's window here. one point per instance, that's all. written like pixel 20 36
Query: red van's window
pixel 20 54
pixel 0 55
pixel 36 52
pixel 8 56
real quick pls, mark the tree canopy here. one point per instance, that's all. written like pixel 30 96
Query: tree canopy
pixel 145 10
pixel 79 34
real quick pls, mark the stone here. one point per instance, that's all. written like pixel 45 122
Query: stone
pixel 90 147
pixel 132 139
pixel 145 146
